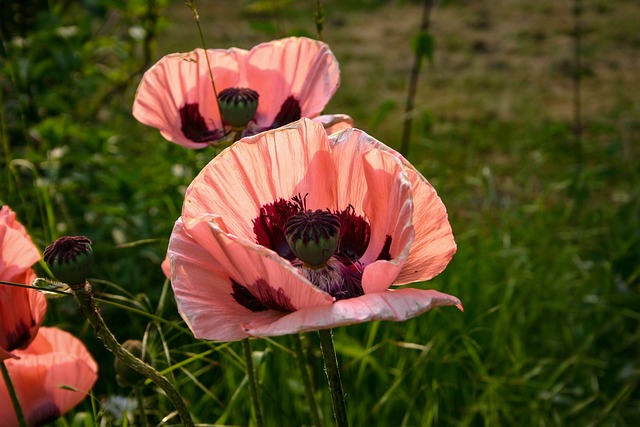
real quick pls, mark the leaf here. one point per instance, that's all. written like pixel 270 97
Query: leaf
pixel 423 45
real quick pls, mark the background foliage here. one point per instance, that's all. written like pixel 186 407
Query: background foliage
pixel 547 226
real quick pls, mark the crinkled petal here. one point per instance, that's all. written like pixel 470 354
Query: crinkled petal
pixel 262 169
pixel 373 180
pixel 203 291
pixel 433 245
pixel 183 78
pixel 248 262
pixel 334 122
pixel 296 66
pixel 396 305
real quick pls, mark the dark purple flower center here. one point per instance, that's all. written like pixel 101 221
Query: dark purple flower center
pixel 341 273
pixel 43 414
pixel 289 112
pixel 20 337
pixel 194 126
pixel 238 107
pixel 259 296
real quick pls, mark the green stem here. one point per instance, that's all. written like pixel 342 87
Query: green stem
pixel 306 380
pixel 84 297
pixel 253 385
pixel 14 396
pixel 143 417
pixel 333 377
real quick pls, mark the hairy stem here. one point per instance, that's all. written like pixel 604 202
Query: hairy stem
pixel 333 377
pixel 84 297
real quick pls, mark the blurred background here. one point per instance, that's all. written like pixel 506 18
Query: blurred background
pixel 526 119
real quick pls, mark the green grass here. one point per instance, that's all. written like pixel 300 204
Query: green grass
pixel 548 261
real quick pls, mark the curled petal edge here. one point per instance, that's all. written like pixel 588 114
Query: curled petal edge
pixel 395 305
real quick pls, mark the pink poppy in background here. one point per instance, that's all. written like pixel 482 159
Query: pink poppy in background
pixel 51 376
pixel 21 310
pixel 289 78
pixel 292 230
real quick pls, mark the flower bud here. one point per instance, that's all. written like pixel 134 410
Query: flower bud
pixel 313 236
pixel 70 259
pixel 125 375
pixel 238 106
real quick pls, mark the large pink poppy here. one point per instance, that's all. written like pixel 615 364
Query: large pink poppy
pixel 53 374
pixel 293 77
pixel 21 310
pixel 292 230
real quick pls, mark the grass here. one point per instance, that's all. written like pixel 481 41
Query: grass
pixel 548 265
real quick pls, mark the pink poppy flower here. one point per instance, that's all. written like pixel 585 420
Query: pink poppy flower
pixel 292 230
pixel 53 374
pixel 288 79
pixel 22 310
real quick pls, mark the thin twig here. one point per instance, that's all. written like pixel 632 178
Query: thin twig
pixel 413 83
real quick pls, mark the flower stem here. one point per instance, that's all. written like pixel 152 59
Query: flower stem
pixel 253 385
pixel 84 297
pixel 14 396
pixel 306 380
pixel 333 377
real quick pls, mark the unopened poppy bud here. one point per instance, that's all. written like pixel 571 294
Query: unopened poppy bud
pixel 70 259
pixel 313 236
pixel 238 106
pixel 125 375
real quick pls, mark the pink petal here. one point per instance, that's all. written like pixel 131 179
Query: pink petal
pixel 297 66
pixel 21 308
pixel 395 305
pixel 261 169
pixel 181 78
pixel 374 182
pixel 17 251
pixel 334 122
pixel 433 245
pixel 203 291
pixel 166 267
pixel 247 262
pixel 55 362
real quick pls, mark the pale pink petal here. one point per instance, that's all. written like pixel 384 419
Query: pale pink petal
pixel 203 292
pixel 21 310
pixel 333 123
pixel 17 251
pixel 181 78
pixel 247 263
pixel 262 169
pixel 433 245
pixel 54 374
pixel 396 305
pixel 373 181
pixel 166 267
pixel 298 66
